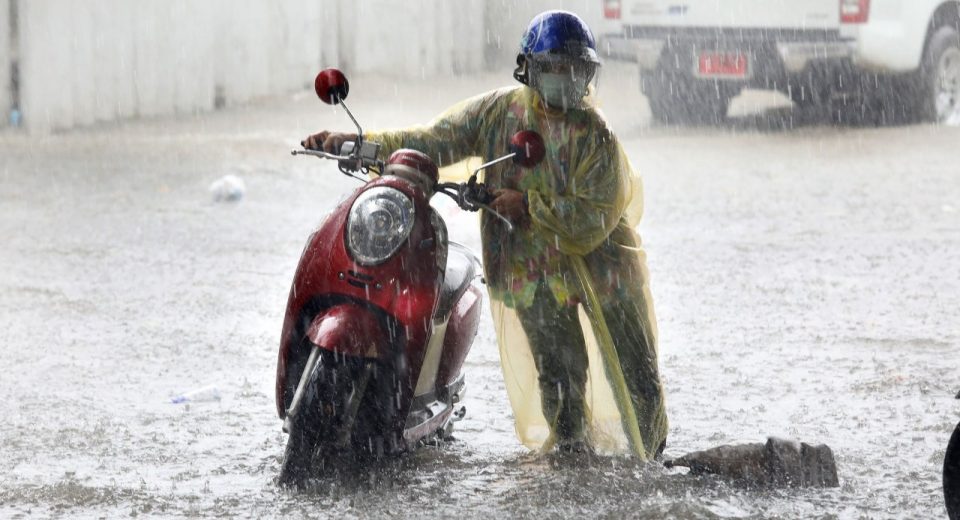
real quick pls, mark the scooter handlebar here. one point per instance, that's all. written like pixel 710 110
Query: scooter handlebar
pixel 472 196
pixel 353 157
pixel 321 154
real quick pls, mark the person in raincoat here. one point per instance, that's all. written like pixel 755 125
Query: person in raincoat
pixel 569 286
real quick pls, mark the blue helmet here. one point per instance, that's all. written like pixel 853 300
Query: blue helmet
pixel 558 57
pixel 559 32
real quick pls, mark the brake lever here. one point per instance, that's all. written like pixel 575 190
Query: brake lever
pixel 350 163
pixel 321 154
pixel 472 196
pixel 480 197
pixel 499 216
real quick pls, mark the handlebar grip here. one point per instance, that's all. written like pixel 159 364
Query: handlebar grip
pixel 484 196
pixel 347 148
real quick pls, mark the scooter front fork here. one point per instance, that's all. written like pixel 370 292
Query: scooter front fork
pixel 301 387
pixel 352 406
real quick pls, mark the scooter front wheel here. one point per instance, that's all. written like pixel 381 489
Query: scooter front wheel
pixel 314 425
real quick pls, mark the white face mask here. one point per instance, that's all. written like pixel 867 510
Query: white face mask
pixel 563 89
pixel 558 90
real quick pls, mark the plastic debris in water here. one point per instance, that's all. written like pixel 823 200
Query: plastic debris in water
pixel 228 188
pixel 205 394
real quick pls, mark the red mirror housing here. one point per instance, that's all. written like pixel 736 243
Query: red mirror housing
pixel 529 147
pixel 331 86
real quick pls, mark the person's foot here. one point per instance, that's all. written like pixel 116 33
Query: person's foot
pixel 574 446
pixel 659 455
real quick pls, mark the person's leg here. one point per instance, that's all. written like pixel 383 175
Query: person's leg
pixel 619 272
pixel 560 355
pixel 637 353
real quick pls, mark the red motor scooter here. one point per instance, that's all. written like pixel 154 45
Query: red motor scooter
pixel 382 310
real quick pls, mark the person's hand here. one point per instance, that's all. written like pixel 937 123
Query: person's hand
pixel 511 205
pixel 327 141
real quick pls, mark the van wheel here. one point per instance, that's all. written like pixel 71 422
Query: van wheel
pixel 676 99
pixel 938 83
pixel 811 100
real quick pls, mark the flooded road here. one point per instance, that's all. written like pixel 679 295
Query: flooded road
pixel 806 280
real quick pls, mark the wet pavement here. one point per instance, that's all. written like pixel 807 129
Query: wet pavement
pixel 806 281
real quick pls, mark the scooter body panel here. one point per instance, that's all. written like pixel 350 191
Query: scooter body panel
pixel 401 291
pixel 460 333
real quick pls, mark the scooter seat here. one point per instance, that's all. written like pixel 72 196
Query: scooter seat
pixel 461 269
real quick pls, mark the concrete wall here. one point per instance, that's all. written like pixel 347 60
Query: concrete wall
pixel 5 58
pixel 102 60
pixel 412 38
pixel 417 39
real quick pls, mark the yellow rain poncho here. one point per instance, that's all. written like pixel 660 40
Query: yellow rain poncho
pixel 577 269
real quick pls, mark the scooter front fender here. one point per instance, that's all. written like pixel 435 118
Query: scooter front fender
pixel 350 330
pixel 346 328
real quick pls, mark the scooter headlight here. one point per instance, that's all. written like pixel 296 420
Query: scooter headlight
pixel 379 222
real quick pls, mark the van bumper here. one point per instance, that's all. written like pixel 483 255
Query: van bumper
pixel 787 51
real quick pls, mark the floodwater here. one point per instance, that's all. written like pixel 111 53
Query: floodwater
pixel 806 281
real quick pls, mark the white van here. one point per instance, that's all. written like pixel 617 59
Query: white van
pixel 880 56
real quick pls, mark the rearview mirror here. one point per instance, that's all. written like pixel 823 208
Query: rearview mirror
pixel 528 147
pixel 331 86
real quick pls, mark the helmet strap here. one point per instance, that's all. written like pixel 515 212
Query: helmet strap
pixel 522 72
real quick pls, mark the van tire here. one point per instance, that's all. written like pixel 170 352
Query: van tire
pixel 675 99
pixel 941 57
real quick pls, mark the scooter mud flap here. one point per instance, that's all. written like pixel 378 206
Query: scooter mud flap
pixel 777 463
pixel 349 330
